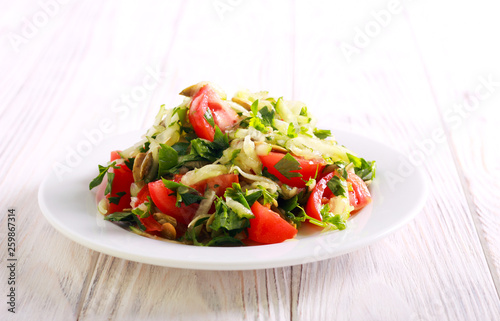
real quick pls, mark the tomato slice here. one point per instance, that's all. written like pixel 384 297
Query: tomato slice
pixel 309 168
pixel 151 224
pixel 121 184
pixel 268 227
pixel 207 100
pixel 142 196
pixel 218 183
pixel 359 197
pixel 115 155
pixel 314 202
pixel 163 199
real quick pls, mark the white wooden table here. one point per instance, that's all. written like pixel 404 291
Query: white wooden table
pixel 423 67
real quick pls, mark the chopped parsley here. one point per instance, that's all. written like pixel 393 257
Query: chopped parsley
pixel 116 199
pixel 208 117
pixel 268 197
pixel 261 119
pixel 102 172
pixel 181 148
pixel 145 147
pixel 365 170
pixel 130 163
pixel 322 133
pixel 287 165
pixel 168 158
pixel 292 131
pixel 337 186
pixel 184 194
pixel 128 217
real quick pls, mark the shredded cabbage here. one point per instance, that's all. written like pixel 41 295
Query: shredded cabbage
pixel 203 173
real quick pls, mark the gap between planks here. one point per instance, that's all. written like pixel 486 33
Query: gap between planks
pixel 87 284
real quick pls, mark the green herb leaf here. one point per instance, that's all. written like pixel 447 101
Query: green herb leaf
pixel 310 182
pixel 125 217
pixel 102 171
pixel 261 119
pixel 322 133
pixel 130 163
pixel 266 173
pixel 227 219
pixel 203 148
pixel 116 200
pixel 293 211
pixel 145 147
pixel 255 108
pixel 181 148
pixel 267 116
pixel 288 164
pixel 109 185
pixel 208 117
pixel 210 151
pixel 341 169
pixel 325 211
pixel 257 124
pixel 303 111
pixel 292 131
pixel 337 186
pixel 336 220
pixel 365 170
pixel 269 198
pixel 168 158
pixel 221 141
pixel 185 194
pixel 328 218
pixel 252 198
pixel 237 194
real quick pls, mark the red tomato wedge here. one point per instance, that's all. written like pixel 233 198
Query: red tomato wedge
pixel 314 202
pixel 207 100
pixel 309 168
pixel 218 183
pixel 359 197
pixel 268 227
pixel 121 184
pixel 142 196
pixel 163 199
pixel 115 155
pixel 151 224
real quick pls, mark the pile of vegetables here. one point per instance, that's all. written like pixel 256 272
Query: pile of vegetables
pixel 245 171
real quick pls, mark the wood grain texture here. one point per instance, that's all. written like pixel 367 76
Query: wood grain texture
pixel 391 80
pixel 124 290
pixel 91 56
pixel 466 90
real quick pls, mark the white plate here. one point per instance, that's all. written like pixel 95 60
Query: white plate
pixel 397 197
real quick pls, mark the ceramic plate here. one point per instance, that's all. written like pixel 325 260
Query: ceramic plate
pixel 70 207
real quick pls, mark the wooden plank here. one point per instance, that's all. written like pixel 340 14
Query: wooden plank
pixel 124 290
pixel 466 90
pixel 433 269
pixel 47 105
pixel 45 283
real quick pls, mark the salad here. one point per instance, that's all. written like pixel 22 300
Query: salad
pixel 246 171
